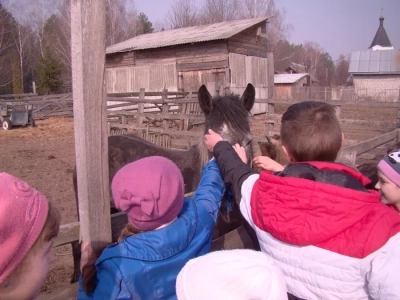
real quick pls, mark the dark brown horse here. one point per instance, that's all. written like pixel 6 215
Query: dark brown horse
pixel 226 115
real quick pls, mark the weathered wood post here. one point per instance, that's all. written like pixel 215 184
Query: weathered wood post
pixel 338 109
pixel 165 109
pixel 270 123
pixel 88 32
pixel 140 109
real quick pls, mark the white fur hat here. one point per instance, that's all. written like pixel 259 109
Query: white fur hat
pixel 231 274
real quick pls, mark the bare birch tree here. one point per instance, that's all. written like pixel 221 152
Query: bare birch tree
pixel 311 54
pixel 214 11
pixel 182 13
pixel 6 25
pixel 121 19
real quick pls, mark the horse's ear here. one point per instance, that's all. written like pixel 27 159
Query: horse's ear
pixel 248 97
pixel 205 100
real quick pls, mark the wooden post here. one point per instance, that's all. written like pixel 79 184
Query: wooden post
pixel 270 124
pixel 221 90
pixel 34 87
pixel 140 109
pixel 123 119
pixel 227 78
pixel 165 109
pixel 398 117
pixel 338 109
pixel 88 33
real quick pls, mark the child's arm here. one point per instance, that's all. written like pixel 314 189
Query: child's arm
pixel 233 169
pixel 267 163
pixel 211 189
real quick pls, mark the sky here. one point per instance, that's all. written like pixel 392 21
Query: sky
pixel 339 26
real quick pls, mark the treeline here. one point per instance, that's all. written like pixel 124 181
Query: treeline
pixel 35 38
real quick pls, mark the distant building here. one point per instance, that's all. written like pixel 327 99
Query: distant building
pixel 376 72
pixel 288 85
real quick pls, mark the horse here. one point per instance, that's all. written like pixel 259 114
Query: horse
pixel 227 115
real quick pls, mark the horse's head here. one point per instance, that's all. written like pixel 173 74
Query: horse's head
pixel 229 116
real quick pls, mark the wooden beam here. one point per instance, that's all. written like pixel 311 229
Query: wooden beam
pixel 276 119
pixel 334 102
pixel 88 32
pixel 373 143
pixel 68 293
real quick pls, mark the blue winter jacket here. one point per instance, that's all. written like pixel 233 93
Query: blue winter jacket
pixel 145 266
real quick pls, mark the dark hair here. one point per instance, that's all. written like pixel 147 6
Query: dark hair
pixel 311 131
pixel 89 272
pixel 393 148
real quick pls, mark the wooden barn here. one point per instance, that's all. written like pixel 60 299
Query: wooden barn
pixel 223 56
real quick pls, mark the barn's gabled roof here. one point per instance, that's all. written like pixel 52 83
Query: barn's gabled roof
pixel 381 38
pixel 375 62
pixel 187 35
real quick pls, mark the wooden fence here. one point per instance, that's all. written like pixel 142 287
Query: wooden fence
pixel 43 106
pixel 275 119
pixel 287 91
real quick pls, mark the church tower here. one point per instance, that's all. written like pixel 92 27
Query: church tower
pixel 381 40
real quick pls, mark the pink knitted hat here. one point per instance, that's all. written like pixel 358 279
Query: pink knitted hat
pixel 23 213
pixel 390 166
pixel 150 191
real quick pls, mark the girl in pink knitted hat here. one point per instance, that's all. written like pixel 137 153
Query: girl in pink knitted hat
pixel 164 231
pixel 389 180
pixel 28 224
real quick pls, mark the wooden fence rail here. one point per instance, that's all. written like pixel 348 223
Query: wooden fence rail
pixel 275 119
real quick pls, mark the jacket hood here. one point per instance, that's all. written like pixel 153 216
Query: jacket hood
pixel 309 203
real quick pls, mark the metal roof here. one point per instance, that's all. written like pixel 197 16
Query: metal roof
pixel 381 38
pixel 289 78
pixel 375 62
pixel 187 35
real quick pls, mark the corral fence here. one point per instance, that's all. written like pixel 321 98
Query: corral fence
pixel 274 120
pixel 56 105
pixel 336 93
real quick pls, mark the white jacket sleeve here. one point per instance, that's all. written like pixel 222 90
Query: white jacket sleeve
pixel 247 188
pixel 383 276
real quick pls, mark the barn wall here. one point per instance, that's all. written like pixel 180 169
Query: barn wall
pixel 249 69
pixel 282 91
pixel 377 87
pixel 153 77
pixel 198 56
pixel 214 80
pixel 248 43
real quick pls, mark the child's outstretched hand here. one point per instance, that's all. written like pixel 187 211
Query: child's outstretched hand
pixel 211 138
pixel 267 163
pixel 241 152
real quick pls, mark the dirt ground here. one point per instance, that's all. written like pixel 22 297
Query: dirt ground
pixel 44 157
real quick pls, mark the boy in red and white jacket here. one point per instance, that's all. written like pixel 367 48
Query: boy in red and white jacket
pixel 332 237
